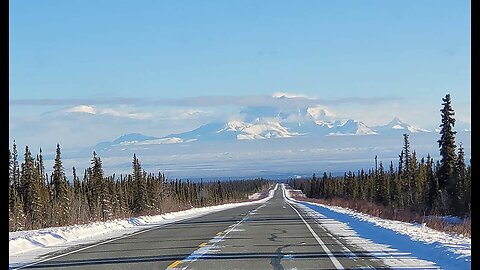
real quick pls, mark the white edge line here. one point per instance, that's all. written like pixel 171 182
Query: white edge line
pixel 334 260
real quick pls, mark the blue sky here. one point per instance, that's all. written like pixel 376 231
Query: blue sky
pixel 404 54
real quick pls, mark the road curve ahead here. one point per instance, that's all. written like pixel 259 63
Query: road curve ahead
pixel 276 234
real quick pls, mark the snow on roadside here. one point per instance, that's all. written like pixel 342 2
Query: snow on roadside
pixel 458 244
pixel 254 196
pixel 28 246
pixel 449 251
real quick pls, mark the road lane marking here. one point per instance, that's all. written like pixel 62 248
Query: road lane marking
pixel 203 244
pixel 334 260
pixel 174 264
pixel 197 254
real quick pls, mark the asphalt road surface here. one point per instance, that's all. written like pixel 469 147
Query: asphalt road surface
pixel 272 235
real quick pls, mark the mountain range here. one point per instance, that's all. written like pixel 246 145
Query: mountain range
pixel 258 123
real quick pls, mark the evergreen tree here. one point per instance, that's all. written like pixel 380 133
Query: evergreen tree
pixel 100 198
pixel 61 196
pixel 432 186
pixel 31 191
pixel 446 174
pixel 58 174
pixel 44 192
pixel 391 187
pixel 65 203
pixel 380 186
pixel 77 202
pixel 413 179
pixel 313 186
pixel 14 168
pixel 461 207
pixel 90 191
pixel 420 186
pixel 468 192
pixel 16 214
pixel 41 167
pixel 140 197
pixel 10 168
pixel 76 182
pixel 400 164
pixel 406 156
pixel 106 198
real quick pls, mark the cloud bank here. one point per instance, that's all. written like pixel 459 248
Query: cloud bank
pixel 279 99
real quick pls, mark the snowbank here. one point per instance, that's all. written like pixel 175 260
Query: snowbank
pixel 254 196
pixel 27 246
pixel 449 251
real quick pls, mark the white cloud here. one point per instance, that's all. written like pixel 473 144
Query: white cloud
pixel 82 109
pixel 288 95
pixel 121 113
pixel 188 114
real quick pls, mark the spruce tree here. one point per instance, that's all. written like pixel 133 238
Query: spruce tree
pixel 15 169
pixel 16 214
pixel 420 186
pixel 41 167
pixel 406 155
pixel 90 192
pixel 60 191
pixel 43 189
pixel 400 164
pixel 58 174
pixel 468 191
pixel 76 182
pixel 446 172
pixel 313 187
pixel 461 208
pixel 98 197
pixel 140 195
pixel 413 178
pixel 77 196
pixel 10 168
pixel 30 191
pixel 392 184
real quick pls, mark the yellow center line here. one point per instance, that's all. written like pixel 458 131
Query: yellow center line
pixel 203 244
pixel 174 264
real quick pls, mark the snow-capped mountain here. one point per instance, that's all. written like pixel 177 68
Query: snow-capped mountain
pixel 397 125
pixel 350 127
pixel 332 128
pixel 322 114
pixel 269 123
pixel 237 130
pixel 135 139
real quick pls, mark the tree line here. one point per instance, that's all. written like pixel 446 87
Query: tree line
pixel 424 186
pixel 39 200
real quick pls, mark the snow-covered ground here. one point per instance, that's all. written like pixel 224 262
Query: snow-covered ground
pixel 398 244
pixel 26 247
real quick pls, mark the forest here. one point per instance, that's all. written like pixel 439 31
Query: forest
pixel 419 185
pixel 39 200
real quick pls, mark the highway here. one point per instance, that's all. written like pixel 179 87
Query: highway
pixel 275 234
